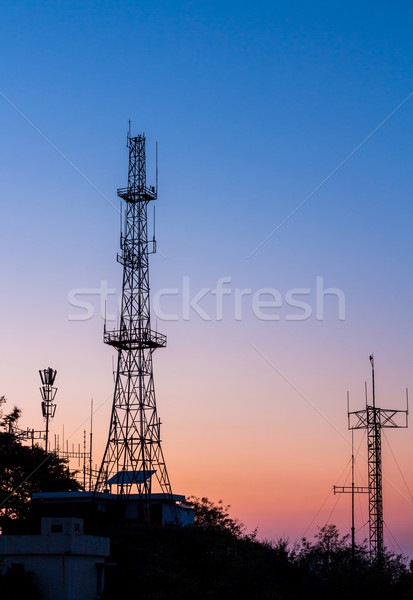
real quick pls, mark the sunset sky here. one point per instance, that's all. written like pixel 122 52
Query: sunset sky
pixel 285 163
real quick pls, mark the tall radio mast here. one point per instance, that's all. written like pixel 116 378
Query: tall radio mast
pixel 133 457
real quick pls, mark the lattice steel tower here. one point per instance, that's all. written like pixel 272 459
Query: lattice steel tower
pixel 374 419
pixel 133 454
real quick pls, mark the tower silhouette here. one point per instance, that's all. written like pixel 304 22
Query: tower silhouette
pixel 133 458
pixel 373 419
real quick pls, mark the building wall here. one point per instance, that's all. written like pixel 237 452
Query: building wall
pixel 62 577
pixel 186 515
pixel 66 564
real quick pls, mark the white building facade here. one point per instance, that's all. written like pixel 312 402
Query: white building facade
pixel 66 564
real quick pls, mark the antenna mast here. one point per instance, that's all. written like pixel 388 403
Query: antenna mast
pixel 133 456
pixel 374 419
pixel 342 489
pixel 90 444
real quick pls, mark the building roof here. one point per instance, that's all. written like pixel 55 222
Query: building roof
pixel 89 496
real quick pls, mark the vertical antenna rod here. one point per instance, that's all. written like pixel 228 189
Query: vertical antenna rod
pixel 90 445
pixel 342 489
pixel 353 536
pixel 156 161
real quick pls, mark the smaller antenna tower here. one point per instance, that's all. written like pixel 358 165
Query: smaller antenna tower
pixel 48 393
pixel 373 419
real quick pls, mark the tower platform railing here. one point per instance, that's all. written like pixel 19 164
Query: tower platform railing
pixel 134 338
pixel 139 194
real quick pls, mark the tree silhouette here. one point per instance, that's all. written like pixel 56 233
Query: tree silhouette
pixel 215 516
pixel 25 470
pixel 10 421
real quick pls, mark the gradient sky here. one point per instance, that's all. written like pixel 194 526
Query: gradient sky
pixel 255 106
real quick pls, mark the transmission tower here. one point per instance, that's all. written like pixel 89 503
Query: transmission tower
pixel 373 419
pixel 133 454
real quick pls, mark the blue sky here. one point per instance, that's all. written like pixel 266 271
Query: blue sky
pixel 254 105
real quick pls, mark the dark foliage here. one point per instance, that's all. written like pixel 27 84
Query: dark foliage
pixel 167 564
pixel 9 421
pixel 211 516
pixel 217 559
pixel 329 558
